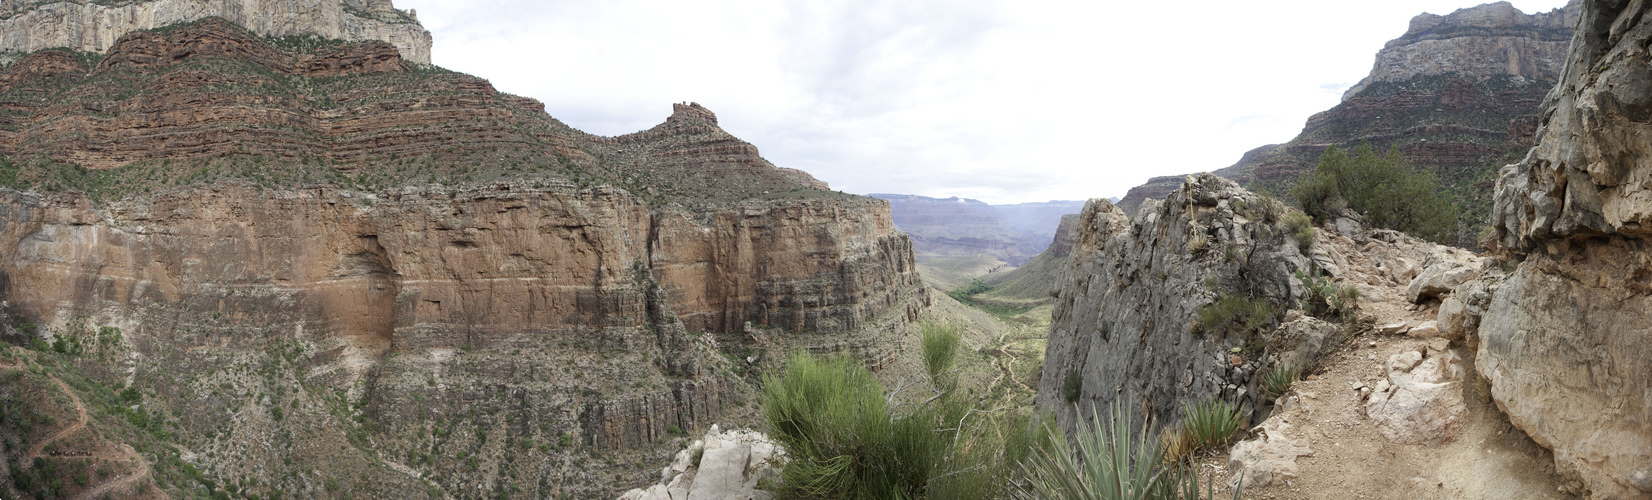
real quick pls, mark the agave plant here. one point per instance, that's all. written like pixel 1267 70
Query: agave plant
pixel 1111 462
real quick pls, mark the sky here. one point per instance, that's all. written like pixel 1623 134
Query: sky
pixel 1006 101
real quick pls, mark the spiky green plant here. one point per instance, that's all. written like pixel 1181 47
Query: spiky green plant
pixel 1210 424
pixel 1109 464
pixel 1279 380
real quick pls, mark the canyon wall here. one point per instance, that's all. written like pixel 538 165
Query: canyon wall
pixel 31 25
pixel 1457 95
pixel 1563 340
pixel 329 261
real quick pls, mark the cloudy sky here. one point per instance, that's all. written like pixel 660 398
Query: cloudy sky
pixel 1002 100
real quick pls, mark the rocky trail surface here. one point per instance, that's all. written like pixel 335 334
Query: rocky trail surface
pixel 1456 449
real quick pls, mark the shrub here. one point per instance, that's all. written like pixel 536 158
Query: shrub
pixel 1302 228
pixel 1327 300
pixel 1071 386
pixel 845 439
pixel 1108 465
pixel 1384 188
pixel 1210 424
pixel 940 351
pixel 1233 314
pixel 1279 380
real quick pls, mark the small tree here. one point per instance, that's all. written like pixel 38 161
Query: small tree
pixel 1385 188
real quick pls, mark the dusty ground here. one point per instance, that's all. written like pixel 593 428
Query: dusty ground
pixel 1490 459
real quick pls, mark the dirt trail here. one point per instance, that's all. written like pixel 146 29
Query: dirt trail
pixel 129 454
pixel 1489 459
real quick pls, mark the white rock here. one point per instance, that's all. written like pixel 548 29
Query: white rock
pixel 1426 330
pixel 1268 458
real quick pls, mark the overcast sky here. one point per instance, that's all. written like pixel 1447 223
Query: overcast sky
pixel 1004 101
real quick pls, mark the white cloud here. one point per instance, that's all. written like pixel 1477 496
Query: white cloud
pixel 1001 100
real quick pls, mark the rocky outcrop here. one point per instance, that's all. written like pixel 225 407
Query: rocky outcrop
pixel 1125 320
pixel 725 465
pixel 31 25
pixel 1421 400
pixel 1155 189
pixel 1562 341
pixel 1268 458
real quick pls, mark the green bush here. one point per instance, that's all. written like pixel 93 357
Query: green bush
pixel 1233 314
pixel 1109 465
pixel 845 438
pixel 1071 386
pixel 1302 228
pixel 1327 300
pixel 1384 188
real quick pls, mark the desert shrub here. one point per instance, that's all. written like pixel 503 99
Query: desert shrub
pixel 1279 380
pixel 1301 227
pixel 1210 424
pixel 1108 464
pixel 845 438
pixel 1233 313
pixel 1328 300
pixel 1071 386
pixel 940 351
pixel 1384 188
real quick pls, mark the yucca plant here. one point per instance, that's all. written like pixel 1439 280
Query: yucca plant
pixel 1210 424
pixel 1279 380
pixel 1108 464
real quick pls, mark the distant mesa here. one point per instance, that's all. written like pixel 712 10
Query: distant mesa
pixel 958 227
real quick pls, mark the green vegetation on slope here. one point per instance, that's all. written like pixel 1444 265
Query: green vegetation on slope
pixel 847 439
pixel 1385 189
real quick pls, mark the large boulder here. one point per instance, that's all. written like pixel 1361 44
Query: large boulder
pixel 1443 270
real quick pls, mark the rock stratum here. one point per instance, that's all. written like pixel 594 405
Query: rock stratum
pixel 93 26
pixel 327 270
pixel 1563 339
pixel 1457 95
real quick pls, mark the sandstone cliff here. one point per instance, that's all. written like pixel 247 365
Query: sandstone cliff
pixel 94 26
pixel 1563 336
pixel 321 258
pixel 1124 322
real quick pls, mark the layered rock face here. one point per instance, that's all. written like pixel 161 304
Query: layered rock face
pixel 1563 338
pixel 31 25
pixel 403 277
pixel 1124 321
pixel 1457 95
pixel 1490 39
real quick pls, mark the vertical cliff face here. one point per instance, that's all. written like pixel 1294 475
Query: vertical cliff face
pixel 30 25
pixel 1563 341
pixel 1489 39
pixel 1124 321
